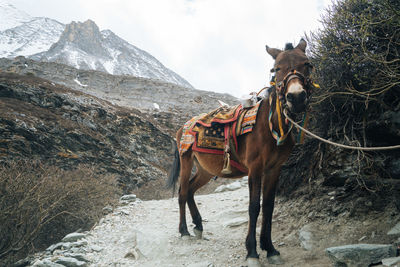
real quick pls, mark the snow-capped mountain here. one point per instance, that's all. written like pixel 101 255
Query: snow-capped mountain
pixel 84 46
pixel 10 16
pixel 34 36
pixel 81 45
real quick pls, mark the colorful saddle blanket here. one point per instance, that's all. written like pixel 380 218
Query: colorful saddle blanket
pixel 206 132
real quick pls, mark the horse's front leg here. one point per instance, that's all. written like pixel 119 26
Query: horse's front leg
pixel 254 210
pixel 269 189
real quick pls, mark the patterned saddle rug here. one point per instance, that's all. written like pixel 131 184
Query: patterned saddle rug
pixel 208 132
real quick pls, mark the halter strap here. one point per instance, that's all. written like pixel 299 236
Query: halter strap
pixel 281 136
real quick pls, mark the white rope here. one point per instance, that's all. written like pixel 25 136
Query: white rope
pixel 337 144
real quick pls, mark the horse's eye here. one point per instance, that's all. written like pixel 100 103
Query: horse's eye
pixel 308 64
pixel 275 69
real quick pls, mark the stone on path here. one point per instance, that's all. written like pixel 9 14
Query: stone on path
pixel 395 230
pixel 127 198
pixel 229 187
pixel 46 263
pixel 235 222
pixel 391 261
pixel 307 238
pixel 72 237
pixel 70 262
pixel 359 255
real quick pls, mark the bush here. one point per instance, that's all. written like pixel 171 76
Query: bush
pixel 39 204
pixel 356 55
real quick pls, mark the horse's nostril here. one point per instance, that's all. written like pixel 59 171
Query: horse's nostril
pixel 303 95
pixel 289 97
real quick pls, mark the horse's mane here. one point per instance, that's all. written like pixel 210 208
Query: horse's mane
pixel 289 46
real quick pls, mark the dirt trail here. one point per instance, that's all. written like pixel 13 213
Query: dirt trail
pixel 145 233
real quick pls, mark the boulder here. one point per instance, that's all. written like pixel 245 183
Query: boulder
pixel 72 237
pixel 127 198
pixel 306 238
pixel 393 261
pixel 70 262
pixel 395 230
pixel 360 255
pixel 46 263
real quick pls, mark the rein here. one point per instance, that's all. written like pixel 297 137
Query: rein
pixel 337 144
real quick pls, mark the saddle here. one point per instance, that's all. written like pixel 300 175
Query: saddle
pixel 217 132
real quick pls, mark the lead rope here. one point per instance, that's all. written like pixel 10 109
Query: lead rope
pixel 337 144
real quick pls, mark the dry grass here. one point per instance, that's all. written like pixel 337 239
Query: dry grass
pixel 39 204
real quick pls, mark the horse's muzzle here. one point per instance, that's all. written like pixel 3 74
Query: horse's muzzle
pixel 297 101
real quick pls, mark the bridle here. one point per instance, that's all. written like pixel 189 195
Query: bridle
pixel 282 86
pixel 280 105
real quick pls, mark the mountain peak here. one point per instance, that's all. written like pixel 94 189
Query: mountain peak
pixel 11 16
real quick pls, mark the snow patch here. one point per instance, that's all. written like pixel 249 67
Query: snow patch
pixel 78 82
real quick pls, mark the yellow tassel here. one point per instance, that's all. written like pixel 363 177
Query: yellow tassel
pixel 278 107
pixel 316 85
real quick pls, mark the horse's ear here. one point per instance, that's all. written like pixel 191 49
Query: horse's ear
pixel 302 45
pixel 273 51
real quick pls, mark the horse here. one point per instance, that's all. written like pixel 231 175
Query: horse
pixel 259 153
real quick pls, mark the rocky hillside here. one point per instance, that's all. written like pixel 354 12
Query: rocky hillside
pixel 42 120
pixel 170 103
pixel 81 45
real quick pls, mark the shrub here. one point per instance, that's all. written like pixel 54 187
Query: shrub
pixel 39 204
pixel 356 55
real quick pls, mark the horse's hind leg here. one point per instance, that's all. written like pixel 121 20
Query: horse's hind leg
pixel 201 178
pixel 186 169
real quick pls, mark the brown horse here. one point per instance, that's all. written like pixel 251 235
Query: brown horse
pixel 258 152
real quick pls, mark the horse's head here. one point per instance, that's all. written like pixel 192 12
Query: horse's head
pixel 292 69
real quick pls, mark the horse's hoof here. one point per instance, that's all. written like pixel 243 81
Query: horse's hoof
pixel 198 233
pixel 253 262
pixel 276 259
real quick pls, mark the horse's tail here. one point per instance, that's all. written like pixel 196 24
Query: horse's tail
pixel 174 172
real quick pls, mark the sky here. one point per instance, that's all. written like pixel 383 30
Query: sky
pixel 216 45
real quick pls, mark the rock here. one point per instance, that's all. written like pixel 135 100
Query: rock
pixel 221 188
pixel 78 256
pixel 395 230
pixel 107 210
pixel 306 237
pixel 127 198
pixel 79 243
pixel 96 248
pixel 391 261
pixel 358 255
pixel 57 246
pixel 234 186
pixel 70 262
pixel 23 262
pixel 134 253
pixel 230 187
pixel 72 237
pixel 46 263
pixel 236 222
